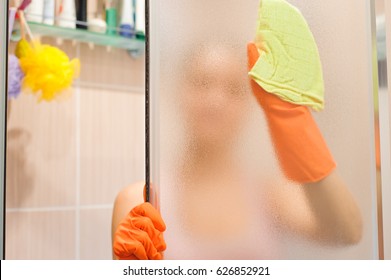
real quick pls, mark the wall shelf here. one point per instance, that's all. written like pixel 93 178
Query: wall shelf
pixel 133 45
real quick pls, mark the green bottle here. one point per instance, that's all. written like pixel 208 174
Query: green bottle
pixel 111 21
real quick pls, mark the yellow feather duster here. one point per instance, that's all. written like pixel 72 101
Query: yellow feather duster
pixel 49 72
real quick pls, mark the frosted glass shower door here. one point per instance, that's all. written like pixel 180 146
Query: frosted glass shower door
pixel 3 90
pixel 220 188
pixel 68 158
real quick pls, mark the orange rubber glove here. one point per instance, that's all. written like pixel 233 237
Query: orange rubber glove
pixel 140 235
pixel 301 150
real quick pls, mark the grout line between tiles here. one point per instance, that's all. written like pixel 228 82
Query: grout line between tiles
pixel 60 208
pixel 114 88
pixel 77 199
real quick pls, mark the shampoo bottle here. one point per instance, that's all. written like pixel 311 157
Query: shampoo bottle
pixel 140 16
pixel 81 14
pixel 67 14
pixel 127 20
pixel 34 11
pixel 111 18
pixel 95 19
pixel 49 12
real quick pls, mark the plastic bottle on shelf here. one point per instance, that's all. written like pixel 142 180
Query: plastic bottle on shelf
pixel 111 18
pixel 127 19
pixel 34 11
pixel 97 24
pixel 67 14
pixel 81 14
pixel 95 20
pixel 140 16
pixel 49 12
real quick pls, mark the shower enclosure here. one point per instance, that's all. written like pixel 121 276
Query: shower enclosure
pixel 62 163
pixel 66 160
pixel 203 114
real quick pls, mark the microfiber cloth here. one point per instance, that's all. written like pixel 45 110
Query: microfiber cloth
pixel 289 64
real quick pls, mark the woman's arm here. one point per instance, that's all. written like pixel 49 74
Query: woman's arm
pixel 337 216
pixel 318 204
pixel 126 200
pixel 324 211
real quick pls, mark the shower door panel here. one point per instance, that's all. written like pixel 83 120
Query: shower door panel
pixel 3 113
pixel 68 159
pixel 386 152
pixel 221 190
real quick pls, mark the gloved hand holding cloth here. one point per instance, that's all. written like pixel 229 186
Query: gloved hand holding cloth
pixel 286 77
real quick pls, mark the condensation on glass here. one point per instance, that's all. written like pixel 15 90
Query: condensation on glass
pixel 218 176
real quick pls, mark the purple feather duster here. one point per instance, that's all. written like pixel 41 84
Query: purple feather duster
pixel 15 76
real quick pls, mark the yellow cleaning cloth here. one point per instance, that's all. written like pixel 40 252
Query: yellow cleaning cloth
pixel 289 64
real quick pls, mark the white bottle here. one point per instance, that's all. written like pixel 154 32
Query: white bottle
pixel 34 11
pixel 97 24
pixel 126 22
pixel 49 12
pixel 140 16
pixel 95 19
pixel 67 15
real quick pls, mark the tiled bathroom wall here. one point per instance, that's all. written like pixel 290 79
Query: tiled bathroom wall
pixel 67 159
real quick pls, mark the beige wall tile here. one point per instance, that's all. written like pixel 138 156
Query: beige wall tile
pixel 95 234
pixel 42 157
pixel 40 235
pixel 41 153
pixel 114 67
pixel 111 144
